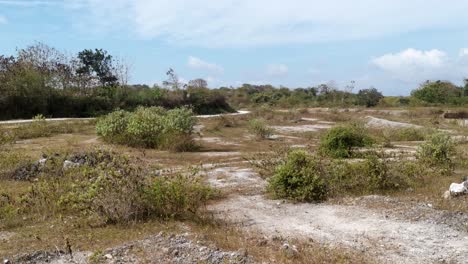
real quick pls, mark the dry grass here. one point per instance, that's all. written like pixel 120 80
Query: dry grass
pixel 269 250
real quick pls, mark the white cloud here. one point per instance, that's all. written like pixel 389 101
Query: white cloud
pixel 220 23
pixel 411 64
pixel 463 52
pixel 199 64
pixel 30 3
pixel 277 70
pixel 3 20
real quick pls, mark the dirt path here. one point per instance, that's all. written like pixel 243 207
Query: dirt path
pixel 23 121
pixel 388 239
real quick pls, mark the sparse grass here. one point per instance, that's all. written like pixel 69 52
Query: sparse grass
pixel 269 250
pixel 42 128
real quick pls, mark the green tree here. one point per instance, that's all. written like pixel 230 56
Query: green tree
pixel 369 97
pixel 438 92
pixel 465 89
pixel 98 63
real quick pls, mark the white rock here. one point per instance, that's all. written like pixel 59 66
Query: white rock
pixel 458 189
pixel 70 164
pixel 42 161
pixel 108 256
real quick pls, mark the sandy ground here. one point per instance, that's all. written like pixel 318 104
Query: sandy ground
pixel 389 239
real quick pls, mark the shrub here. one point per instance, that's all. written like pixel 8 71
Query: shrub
pixel 6 137
pixel 114 191
pixel 371 175
pixel 260 129
pixel 301 178
pixel 178 196
pixel 145 127
pixel 407 134
pixel 369 97
pixel 339 141
pixel 112 127
pixel 152 127
pixel 437 152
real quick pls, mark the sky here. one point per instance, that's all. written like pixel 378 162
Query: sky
pixel 393 45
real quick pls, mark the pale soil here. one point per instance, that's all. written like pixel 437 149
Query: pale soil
pixel 301 128
pixel 386 237
pixel 384 123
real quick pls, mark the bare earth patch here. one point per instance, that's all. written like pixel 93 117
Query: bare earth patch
pixel 382 123
pixel 302 128
pixel 389 239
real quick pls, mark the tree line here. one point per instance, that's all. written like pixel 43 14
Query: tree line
pixel 40 79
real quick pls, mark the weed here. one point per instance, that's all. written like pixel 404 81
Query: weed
pixel 260 129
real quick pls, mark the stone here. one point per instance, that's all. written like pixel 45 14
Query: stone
pixel 289 251
pixel 458 189
pixel 70 164
pixel 108 256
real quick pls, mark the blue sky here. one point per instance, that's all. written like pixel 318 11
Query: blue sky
pixel 391 45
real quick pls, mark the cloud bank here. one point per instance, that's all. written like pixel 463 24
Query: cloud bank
pixel 412 65
pixel 221 23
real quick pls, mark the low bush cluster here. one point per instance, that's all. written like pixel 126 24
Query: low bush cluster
pixel 310 177
pixel 406 134
pixel 39 127
pixel 153 127
pixel 339 141
pixel 107 187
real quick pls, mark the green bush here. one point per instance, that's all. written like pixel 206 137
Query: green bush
pixel 177 196
pixel 152 127
pixel 301 178
pixel 145 127
pixel 373 174
pixel 339 141
pixel 112 127
pixel 111 189
pixel 437 152
pixel 260 129
pixel 407 134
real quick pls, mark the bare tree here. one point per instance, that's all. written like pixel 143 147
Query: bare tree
pixel 173 81
pixel 198 83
